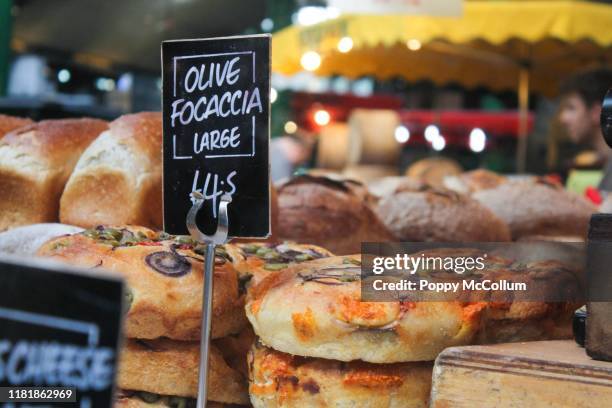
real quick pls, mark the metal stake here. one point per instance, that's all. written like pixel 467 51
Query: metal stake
pixel 219 237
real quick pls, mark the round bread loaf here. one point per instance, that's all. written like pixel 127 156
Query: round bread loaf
pixel 429 214
pixel 35 163
pixel 166 367
pixel 475 180
pixel 10 123
pixel 281 380
pixel 538 207
pixel 433 170
pixel 314 309
pixel 164 276
pixel 118 179
pixel 330 213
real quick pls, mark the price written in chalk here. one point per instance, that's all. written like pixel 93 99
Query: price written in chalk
pixel 216 131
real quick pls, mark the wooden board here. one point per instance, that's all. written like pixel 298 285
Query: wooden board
pixel 534 374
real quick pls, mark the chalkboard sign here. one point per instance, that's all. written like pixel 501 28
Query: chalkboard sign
pixel 216 132
pixel 59 327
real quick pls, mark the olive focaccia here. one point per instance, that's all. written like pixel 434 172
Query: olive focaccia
pixel 167 367
pixel 542 312
pixel 314 309
pixel 282 380
pixel 164 276
pixel 139 399
pixel 254 261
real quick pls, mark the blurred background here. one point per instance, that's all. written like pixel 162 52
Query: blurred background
pixel 364 88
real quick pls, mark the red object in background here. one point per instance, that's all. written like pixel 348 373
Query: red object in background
pixel 339 107
pixel 502 123
pixel 593 194
pixel 454 125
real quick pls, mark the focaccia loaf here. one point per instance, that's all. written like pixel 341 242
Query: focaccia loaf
pixel 167 367
pixel 117 180
pixel 165 279
pixel 281 380
pixel 35 163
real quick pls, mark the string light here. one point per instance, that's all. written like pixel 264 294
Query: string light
pixel 414 45
pixel 345 44
pixel 321 117
pixel 310 61
pixel 478 140
pixel 439 143
pixel 402 134
pixel 290 127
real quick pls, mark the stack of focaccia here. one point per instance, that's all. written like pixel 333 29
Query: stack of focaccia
pixel 319 345
pixel 159 362
pixel 160 359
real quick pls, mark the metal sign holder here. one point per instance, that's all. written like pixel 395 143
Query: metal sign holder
pixel 218 238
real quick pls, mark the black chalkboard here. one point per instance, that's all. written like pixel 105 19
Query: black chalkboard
pixel 216 118
pixel 59 327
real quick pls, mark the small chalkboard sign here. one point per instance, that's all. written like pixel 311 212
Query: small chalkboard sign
pixel 59 327
pixel 216 118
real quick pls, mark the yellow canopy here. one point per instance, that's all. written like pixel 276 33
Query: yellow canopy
pixel 489 45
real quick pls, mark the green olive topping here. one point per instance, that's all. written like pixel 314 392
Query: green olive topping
pixel 128 298
pixel 261 251
pixel 148 397
pixel 250 248
pixel 303 257
pixel 275 266
pixel 183 239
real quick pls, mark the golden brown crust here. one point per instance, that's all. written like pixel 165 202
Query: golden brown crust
pixel 475 180
pixel 538 207
pixel 433 170
pixel 281 380
pixel 425 213
pixel 10 123
pixel 35 163
pixel 162 305
pixel 123 166
pixel 328 213
pixel 325 317
pixel 169 367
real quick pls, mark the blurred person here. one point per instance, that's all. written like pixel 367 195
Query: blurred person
pixel 580 109
pixel 287 153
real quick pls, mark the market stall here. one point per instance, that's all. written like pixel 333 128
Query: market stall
pixel 518 45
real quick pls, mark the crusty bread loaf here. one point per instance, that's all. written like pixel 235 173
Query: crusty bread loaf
pixel 538 207
pixel 10 123
pixel 334 214
pixel 422 213
pixel 118 178
pixel 475 180
pixel 35 163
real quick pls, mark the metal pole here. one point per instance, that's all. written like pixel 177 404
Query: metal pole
pixel 523 102
pixel 219 237
pixel 209 264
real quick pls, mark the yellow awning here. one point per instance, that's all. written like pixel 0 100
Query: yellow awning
pixel 486 46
